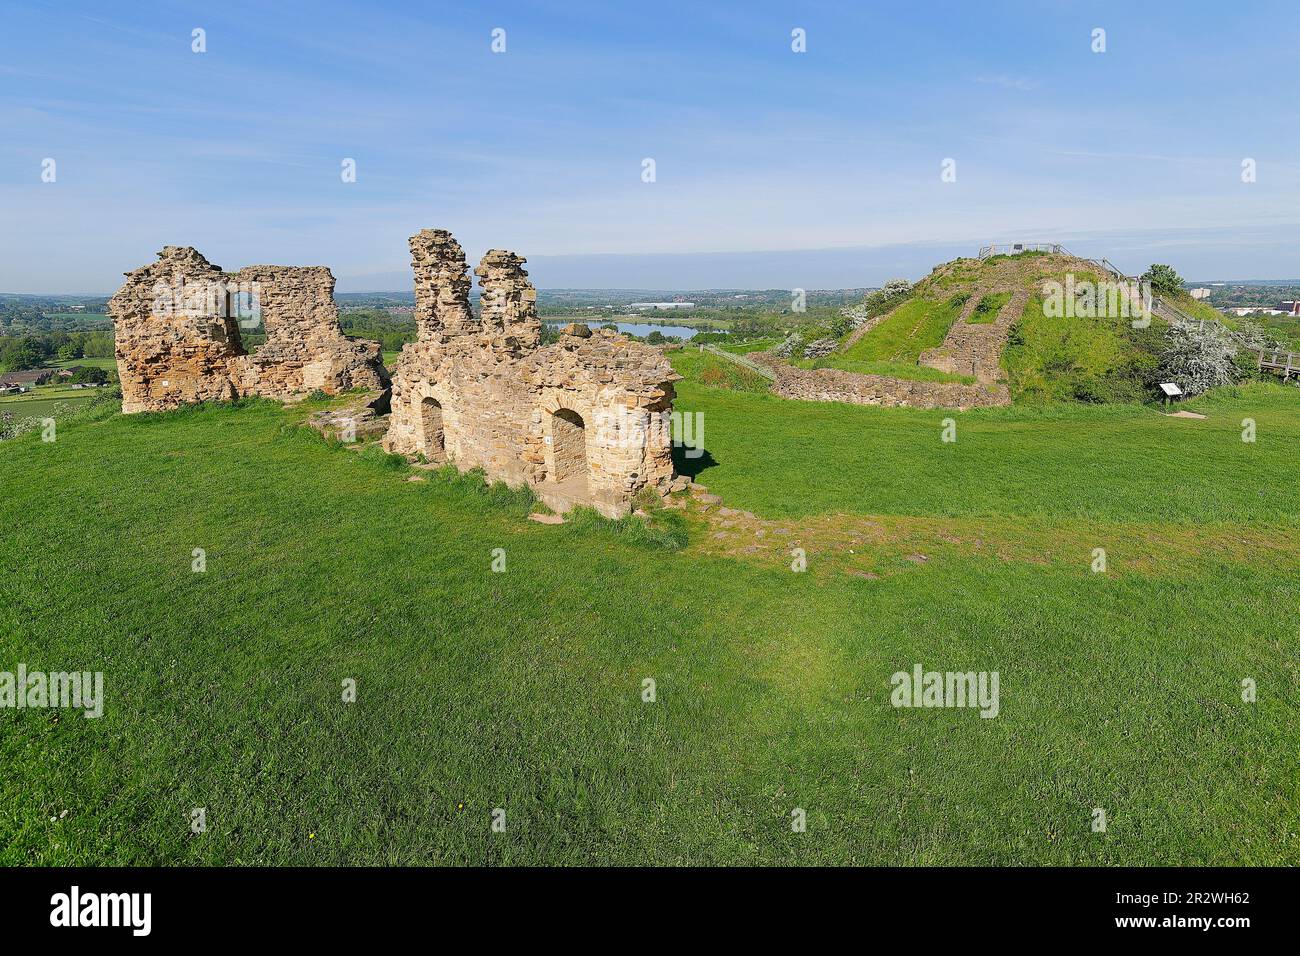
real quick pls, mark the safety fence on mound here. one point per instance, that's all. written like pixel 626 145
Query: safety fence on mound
pixel 1015 248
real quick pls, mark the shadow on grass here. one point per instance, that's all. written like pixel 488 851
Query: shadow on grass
pixel 691 467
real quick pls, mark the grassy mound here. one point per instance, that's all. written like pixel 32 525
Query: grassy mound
pixel 913 327
pixel 1081 359
pixel 895 344
pixel 715 372
pixel 1074 359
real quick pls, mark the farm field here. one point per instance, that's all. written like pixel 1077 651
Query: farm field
pixel 108 364
pixel 522 690
pixel 43 400
pixel 42 406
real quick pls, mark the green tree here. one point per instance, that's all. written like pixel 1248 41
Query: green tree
pixel 18 354
pixel 89 375
pixel 1164 280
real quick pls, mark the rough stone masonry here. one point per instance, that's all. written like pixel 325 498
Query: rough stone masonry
pixel 583 421
pixel 176 324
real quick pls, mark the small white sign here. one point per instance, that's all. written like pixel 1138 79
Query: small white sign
pixel 1170 389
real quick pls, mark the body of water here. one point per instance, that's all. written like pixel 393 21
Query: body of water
pixel 642 328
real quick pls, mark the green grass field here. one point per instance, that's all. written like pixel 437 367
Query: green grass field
pixel 39 407
pixel 108 364
pixel 522 690
pixel 44 400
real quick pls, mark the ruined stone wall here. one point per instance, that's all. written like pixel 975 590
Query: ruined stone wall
pixel 305 349
pixel 498 393
pixel 835 385
pixel 177 335
pixel 441 285
pixel 173 342
pixel 508 304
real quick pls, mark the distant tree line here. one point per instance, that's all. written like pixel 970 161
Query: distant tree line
pixel 18 352
pixel 389 330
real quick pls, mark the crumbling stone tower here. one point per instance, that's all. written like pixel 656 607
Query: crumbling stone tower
pixel 173 347
pixel 177 334
pixel 584 421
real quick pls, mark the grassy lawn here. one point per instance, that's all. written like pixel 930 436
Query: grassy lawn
pixel 522 690
pixel 1119 462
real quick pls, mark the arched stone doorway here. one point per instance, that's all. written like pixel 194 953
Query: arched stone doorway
pixel 432 434
pixel 568 447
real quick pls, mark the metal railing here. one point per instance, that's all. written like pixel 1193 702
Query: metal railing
pixel 1015 248
pixel 1288 363
pixel 1277 360
pixel 753 366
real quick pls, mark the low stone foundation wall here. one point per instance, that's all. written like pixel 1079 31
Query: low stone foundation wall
pixel 834 385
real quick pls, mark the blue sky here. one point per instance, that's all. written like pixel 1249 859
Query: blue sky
pixel 764 157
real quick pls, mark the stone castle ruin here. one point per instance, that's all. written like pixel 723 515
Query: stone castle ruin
pixel 177 321
pixel 583 421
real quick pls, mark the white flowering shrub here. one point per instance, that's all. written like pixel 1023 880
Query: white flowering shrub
pixel 819 348
pixel 856 314
pixel 892 293
pixel 792 347
pixel 1255 336
pixel 1198 357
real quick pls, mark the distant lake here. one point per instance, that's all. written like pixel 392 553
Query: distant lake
pixel 641 328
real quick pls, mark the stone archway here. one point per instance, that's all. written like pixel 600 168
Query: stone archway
pixel 433 435
pixel 568 447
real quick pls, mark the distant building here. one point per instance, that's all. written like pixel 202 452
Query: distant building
pixel 1255 310
pixel 662 305
pixel 35 376
pixel 1290 307
pixel 1201 293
